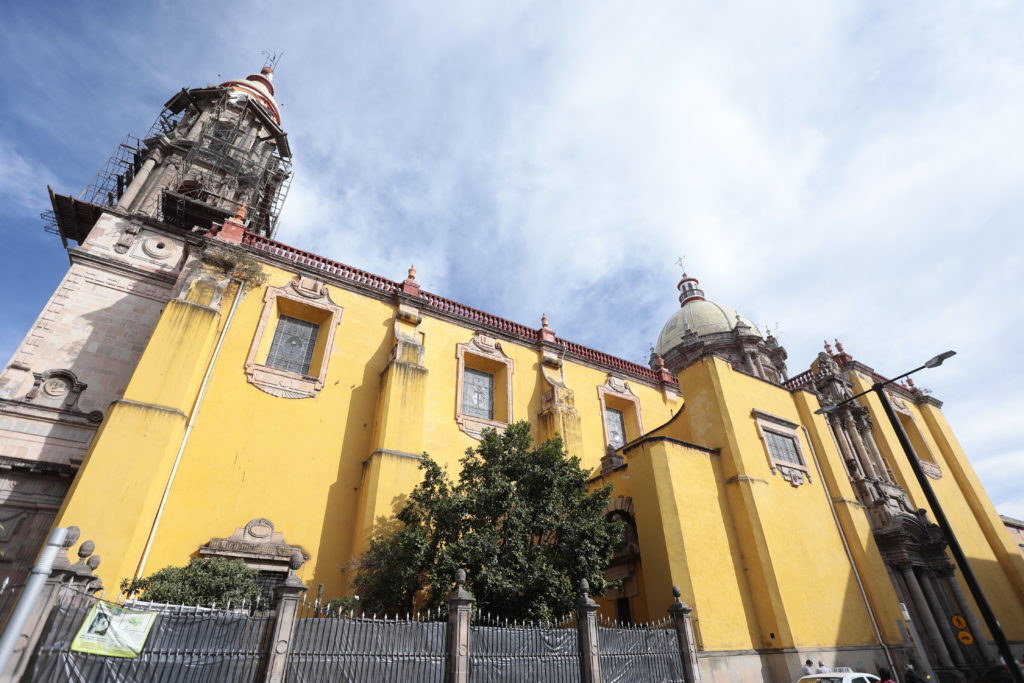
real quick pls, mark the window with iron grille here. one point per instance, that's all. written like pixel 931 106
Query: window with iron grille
pixel 615 427
pixel 782 447
pixel 478 393
pixel 292 348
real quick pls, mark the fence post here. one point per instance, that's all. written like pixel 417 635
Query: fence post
pixel 62 573
pixel 683 622
pixel 586 626
pixel 460 607
pixel 287 595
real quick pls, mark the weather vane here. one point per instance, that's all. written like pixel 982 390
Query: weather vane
pixel 272 58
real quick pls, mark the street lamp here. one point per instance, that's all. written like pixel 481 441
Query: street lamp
pixel 940 516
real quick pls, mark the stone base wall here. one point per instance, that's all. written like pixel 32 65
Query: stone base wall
pixel 786 665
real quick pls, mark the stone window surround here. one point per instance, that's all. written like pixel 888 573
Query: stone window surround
pixel 793 473
pixel 487 349
pixel 304 292
pixel 623 399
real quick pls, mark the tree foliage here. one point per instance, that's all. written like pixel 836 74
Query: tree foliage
pixel 521 520
pixel 202 581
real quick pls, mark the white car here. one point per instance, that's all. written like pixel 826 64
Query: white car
pixel 845 676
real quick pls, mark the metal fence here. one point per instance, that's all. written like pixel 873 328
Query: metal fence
pixel 327 646
pixel 648 652
pixel 185 644
pixel 299 642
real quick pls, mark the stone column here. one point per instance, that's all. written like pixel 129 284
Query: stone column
pixel 925 614
pixel 858 446
pixel 935 604
pixel 586 626
pixel 972 621
pixel 460 608
pixel 682 619
pixel 287 595
pixel 844 447
pixel 869 441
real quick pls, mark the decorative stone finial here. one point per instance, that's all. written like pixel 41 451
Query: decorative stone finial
pixel 240 215
pixel 409 285
pixel 584 587
pixel 460 577
pixel 546 333
pixel 828 347
pixel 86 549
pixel 839 346
pixel 676 593
pixel 93 562
pixel 296 561
pixel 74 533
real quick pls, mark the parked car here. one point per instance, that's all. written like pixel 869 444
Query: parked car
pixel 841 677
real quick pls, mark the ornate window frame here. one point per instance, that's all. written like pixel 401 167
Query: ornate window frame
pixel 484 353
pixel 305 298
pixel 616 393
pixel 794 473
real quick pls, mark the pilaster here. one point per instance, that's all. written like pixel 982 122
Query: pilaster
pixel 392 466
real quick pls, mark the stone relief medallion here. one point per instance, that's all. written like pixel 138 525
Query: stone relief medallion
pixel 56 387
pixel 158 247
pixel 260 528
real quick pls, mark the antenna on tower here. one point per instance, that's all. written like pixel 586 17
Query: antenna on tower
pixel 271 59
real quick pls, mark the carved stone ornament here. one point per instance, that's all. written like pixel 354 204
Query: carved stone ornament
pixel 125 239
pixel 258 543
pixel 59 389
pixel 930 468
pixel 309 288
pixel 159 248
pixel 311 294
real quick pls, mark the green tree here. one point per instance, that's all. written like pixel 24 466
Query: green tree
pixel 522 520
pixel 203 581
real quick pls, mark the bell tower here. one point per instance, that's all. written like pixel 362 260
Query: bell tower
pixel 214 152
pixel 211 151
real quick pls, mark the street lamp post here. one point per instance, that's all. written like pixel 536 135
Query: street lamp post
pixel 940 516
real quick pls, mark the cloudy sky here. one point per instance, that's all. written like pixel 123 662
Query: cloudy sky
pixel 847 170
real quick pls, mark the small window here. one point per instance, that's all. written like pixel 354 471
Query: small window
pixel 478 393
pixel 615 427
pixel 781 439
pixel 292 348
pixel 620 408
pixel 782 448
pixel 292 362
pixel 483 397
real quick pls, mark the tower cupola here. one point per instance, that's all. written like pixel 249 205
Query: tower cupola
pixel 259 87
pixel 689 290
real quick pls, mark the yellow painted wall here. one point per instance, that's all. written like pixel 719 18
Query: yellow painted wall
pixel 305 464
pixel 760 560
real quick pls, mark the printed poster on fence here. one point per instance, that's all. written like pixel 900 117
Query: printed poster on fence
pixel 113 631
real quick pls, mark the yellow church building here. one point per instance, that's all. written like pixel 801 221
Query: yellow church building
pixel 196 388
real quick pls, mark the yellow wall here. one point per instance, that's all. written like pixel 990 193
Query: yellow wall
pixel 762 561
pixel 305 464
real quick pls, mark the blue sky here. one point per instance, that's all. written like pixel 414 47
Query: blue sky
pixel 834 170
